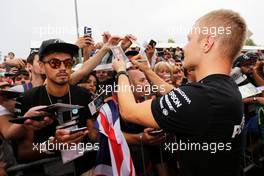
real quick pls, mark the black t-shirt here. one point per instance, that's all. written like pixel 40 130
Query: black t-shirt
pixel 203 115
pixel 79 96
pixel 250 109
pixel 38 96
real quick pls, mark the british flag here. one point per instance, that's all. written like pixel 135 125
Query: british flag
pixel 113 157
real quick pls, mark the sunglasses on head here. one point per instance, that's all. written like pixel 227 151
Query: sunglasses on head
pixel 56 63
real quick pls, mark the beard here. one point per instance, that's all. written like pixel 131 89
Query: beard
pixel 60 82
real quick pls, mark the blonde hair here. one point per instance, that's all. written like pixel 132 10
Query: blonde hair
pixel 231 42
pixel 176 68
pixel 160 65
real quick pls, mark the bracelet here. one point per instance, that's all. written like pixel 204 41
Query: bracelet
pixel 121 73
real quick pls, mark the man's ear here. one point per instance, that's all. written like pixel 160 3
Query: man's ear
pixel 41 66
pixel 208 43
pixel 29 68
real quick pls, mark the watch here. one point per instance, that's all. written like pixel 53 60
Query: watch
pixel 121 73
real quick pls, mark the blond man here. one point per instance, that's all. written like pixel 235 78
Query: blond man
pixel 206 116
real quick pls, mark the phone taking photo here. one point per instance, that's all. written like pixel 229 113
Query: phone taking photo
pixel 87 31
pixel 152 43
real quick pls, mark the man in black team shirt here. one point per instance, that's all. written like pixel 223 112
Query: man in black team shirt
pixel 56 58
pixel 205 116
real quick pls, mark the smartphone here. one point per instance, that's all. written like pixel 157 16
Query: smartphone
pixel 152 43
pixel 87 31
pixel 155 132
pixel 21 120
pixel 77 130
pixel 97 103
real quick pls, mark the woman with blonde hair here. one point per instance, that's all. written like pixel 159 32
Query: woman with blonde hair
pixel 164 71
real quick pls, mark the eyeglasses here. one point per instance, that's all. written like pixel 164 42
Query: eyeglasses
pixel 56 63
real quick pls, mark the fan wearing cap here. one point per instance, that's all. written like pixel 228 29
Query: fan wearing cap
pixel 21 77
pixel 245 61
pixel 56 59
pixel 252 66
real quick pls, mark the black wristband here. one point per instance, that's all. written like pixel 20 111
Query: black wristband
pixel 121 73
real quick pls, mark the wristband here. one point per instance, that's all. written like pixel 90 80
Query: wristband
pixel 121 73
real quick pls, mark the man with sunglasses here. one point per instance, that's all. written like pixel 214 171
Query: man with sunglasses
pixel 56 59
pixel 246 63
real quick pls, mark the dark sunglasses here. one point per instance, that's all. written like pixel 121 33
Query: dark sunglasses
pixel 56 63
pixel 248 63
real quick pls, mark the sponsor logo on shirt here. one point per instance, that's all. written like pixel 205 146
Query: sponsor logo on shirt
pixel 164 111
pixel 175 99
pixel 161 104
pixel 169 103
pixel 185 97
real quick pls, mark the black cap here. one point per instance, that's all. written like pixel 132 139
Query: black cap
pixel 248 57
pixel 56 45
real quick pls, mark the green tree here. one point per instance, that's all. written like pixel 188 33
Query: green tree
pixel 250 42
pixel 170 40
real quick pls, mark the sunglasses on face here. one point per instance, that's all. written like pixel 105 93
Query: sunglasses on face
pixel 56 63
pixel 19 78
pixel 247 64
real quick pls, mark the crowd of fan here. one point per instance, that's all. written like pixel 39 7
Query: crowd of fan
pixel 22 74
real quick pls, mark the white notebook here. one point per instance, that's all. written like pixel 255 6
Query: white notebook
pixel 248 90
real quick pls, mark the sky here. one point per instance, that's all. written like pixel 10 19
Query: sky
pixel 26 21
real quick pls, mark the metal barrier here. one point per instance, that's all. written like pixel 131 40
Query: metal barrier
pixel 51 166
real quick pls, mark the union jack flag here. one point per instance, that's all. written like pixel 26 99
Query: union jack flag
pixel 113 158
